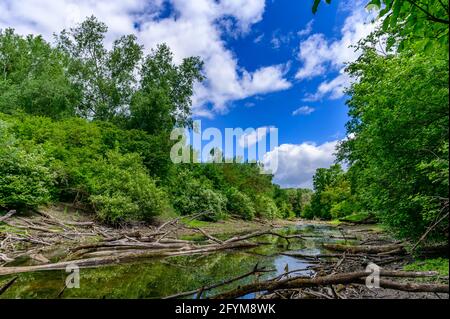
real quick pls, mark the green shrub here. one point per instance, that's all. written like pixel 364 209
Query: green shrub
pixel 120 189
pixel 191 195
pixel 212 201
pixel 240 204
pixel 285 210
pixel 266 208
pixel 85 165
pixel 25 180
pixel 307 212
pixel 344 208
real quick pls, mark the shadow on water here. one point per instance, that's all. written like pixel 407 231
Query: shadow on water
pixel 157 278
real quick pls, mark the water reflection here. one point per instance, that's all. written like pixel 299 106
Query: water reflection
pixel 163 277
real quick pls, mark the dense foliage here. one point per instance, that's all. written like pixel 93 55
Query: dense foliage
pixel 333 197
pixel 84 124
pixel 419 22
pixel 397 145
pixel 400 122
pixel 25 180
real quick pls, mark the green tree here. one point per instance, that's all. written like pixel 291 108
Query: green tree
pixel 164 98
pixel 104 78
pixel 411 22
pixel 25 180
pixel 399 121
pixel 33 78
pixel 121 190
pixel 328 190
pixel 240 204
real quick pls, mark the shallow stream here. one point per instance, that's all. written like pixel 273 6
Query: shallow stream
pixel 157 278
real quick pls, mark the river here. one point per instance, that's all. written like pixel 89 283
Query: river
pixel 157 278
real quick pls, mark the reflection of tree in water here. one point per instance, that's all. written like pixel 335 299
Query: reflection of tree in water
pixel 164 277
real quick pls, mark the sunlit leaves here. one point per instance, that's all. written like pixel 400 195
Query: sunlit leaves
pixel 411 20
pixel 399 116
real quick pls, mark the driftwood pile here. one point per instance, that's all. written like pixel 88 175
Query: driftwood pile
pixel 87 244
pixel 339 274
pixel 342 274
pixel 110 246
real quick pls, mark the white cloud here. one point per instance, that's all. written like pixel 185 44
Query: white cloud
pixel 333 89
pixel 276 42
pixel 303 110
pixel 195 28
pixel 318 55
pixel 307 30
pixel 314 53
pixel 234 86
pixel 259 38
pixel 266 79
pixel 279 39
pixel 297 163
pixel 46 17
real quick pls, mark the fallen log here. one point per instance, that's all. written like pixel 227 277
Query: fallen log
pixel 5 258
pixel 412 287
pixel 132 245
pixel 31 240
pixel 7 285
pixel 122 257
pixel 204 233
pixel 63 222
pixel 33 227
pixel 223 283
pixel 331 236
pixel 433 226
pixel 7 215
pixel 318 256
pixel 365 248
pixel 262 233
pixel 334 279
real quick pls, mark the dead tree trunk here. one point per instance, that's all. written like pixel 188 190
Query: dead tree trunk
pixel 335 279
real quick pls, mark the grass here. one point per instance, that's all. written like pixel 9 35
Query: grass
pixel 356 217
pixel 196 223
pixel 335 222
pixel 193 237
pixel 435 264
pixel 5 228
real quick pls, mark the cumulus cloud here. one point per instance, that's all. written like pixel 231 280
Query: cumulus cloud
pixel 318 55
pixel 303 110
pixel 193 28
pixel 297 163
pixel 333 89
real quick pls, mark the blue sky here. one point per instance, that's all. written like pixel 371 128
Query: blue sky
pixel 284 19
pixel 268 63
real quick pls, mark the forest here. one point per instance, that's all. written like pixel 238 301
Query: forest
pixel 88 125
pixel 84 124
